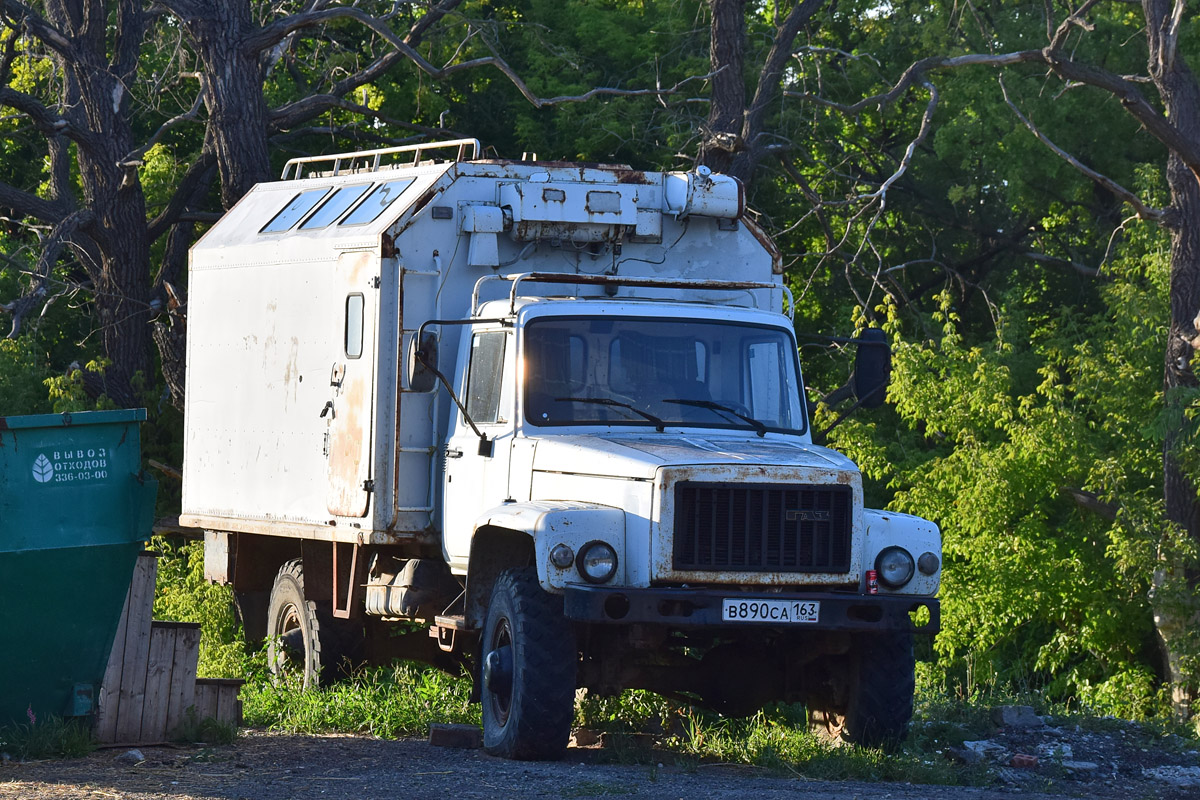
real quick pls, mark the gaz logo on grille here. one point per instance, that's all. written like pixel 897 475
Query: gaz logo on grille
pixel 807 515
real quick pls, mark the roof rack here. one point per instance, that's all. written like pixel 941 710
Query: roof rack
pixel 352 162
pixel 617 280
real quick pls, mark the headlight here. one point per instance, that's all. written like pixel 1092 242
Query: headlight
pixel 597 562
pixel 895 566
pixel 562 556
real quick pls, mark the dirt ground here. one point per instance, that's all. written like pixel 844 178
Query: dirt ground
pixel 269 766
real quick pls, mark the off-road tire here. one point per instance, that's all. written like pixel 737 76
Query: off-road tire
pixel 873 703
pixel 304 639
pixel 528 715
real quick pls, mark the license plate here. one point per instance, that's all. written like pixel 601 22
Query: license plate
pixel 779 612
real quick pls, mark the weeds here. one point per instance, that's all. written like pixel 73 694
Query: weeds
pixel 204 731
pixel 52 737
pixel 404 699
pixel 390 701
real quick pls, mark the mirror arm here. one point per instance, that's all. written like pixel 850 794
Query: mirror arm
pixel 437 373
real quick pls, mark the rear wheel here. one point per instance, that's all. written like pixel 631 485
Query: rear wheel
pixel 303 640
pixel 528 672
pixel 869 697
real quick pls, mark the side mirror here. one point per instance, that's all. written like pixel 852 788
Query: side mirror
pixel 421 361
pixel 872 368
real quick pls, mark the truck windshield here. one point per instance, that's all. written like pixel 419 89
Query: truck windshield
pixel 656 372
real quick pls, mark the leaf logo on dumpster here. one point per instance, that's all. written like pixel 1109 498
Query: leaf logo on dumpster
pixel 43 470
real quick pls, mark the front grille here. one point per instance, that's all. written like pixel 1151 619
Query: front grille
pixel 762 528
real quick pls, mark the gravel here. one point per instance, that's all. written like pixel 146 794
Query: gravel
pixel 273 766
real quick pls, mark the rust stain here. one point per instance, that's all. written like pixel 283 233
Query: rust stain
pixel 767 242
pixel 346 451
pixel 631 176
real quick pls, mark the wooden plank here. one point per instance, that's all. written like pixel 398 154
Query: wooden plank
pixel 183 674
pixel 158 683
pixel 227 705
pixel 207 697
pixel 137 649
pixel 110 688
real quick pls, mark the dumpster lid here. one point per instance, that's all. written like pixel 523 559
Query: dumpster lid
pixel 70 419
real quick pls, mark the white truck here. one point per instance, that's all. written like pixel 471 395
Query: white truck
pixel 554 412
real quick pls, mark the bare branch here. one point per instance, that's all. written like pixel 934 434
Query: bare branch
pixel 198 176
pixel 915 75
pixel 777 57
pixel 283 118
pixel 267 36
pixel 1171 36
pixel 1082 269
pixel 42 117
pixel 22 16
pixel 134 158
pixel 59 237
pixel 812 197
pixel 1124 90
pixel 429 19
pixel 1143 211
pixel 30 205
pixel 1075 18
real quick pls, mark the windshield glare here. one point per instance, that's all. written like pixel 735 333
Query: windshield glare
pixel 645 371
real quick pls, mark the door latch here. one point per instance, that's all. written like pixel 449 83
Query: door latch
pixel 368 486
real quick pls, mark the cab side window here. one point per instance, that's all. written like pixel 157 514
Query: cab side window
pixel 485 378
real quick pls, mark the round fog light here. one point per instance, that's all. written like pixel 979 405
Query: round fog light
pixel 928 563
pixel 597 562
pixel 562 556
pixel 895 566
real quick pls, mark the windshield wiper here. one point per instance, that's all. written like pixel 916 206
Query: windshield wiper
pixel 608 401
pixel 759 428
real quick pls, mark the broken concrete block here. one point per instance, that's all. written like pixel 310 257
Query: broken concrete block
pixel 1016 717
pixel 462 737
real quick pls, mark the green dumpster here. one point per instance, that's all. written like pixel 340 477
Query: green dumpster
pixel 75 511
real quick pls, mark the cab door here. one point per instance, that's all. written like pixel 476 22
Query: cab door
pixel 348 412
pixel 476 479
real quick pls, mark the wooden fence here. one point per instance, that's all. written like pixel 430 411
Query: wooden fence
pixel 150 683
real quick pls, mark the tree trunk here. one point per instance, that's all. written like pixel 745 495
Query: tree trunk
pixel 727 52
pixel 1176 610
pixel 233 94
pixel 95 100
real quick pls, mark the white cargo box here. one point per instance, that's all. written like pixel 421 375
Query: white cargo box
pixel 303 299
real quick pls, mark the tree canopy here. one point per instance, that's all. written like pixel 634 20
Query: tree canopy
pixel 1008 188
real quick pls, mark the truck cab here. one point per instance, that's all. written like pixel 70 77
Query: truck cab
pixel 556 413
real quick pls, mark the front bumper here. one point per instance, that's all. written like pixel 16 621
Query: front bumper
pixel 694 608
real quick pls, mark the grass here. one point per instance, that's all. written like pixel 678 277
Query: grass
pixel 389 702
pixel 404 699
pixel 52 737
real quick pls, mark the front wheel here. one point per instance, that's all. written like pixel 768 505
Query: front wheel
pixel 528 671
pixel 869 700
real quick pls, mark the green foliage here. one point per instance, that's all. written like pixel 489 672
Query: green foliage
pixel 67 392
pixel 182 595
pixel 999 443
pixel 1027 416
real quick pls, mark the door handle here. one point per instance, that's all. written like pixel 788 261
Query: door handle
pixel 453 452
pixel 328 408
